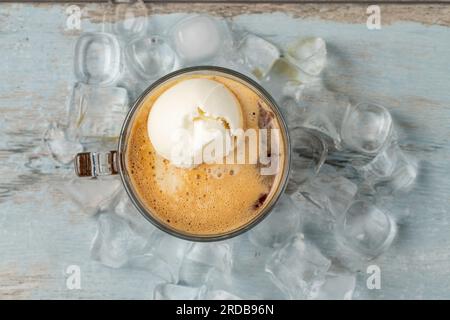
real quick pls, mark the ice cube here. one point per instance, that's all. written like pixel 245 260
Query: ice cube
pixel 131 19
pixel 252 283
pixel 199 38
pixel 298 268
pixel 154 265
pixel 157 252
pixel 382 165
pixel 92 195
pixel 405 175
pixel 329 191
pixel 177 292
pixel 216 255
pixel 319 228
pixel 230 60
pixel 317 225
pixel 192 273
pixel 292 112
pixel 391 170
pixel 308 54
pixel 258 54
pixel 278 226
pixel 324 112
pixel 308 154
pixel 37 161
pixel 339 285
pixel 97 58
pixel 96 112
pixel 247 278
pixel 169 251
pixel 133 83
pixel 61 148
pixel 115 241
pixel 285 80
pixel 293 89
pixel 308 210
pixel 120 242
pixel 366 128
pixel 151 57
pixel 201 258
pixel 366 229
pixel 219 295
pixel 126 210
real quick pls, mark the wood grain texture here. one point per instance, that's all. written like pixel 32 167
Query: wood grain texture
pixel 427 13
pixel 404 66
pixel 351 13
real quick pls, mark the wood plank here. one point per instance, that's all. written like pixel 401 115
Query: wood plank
pixel 427 13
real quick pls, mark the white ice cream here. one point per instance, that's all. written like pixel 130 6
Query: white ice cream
pixel 189 116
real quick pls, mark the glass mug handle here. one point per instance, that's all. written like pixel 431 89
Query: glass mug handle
pixel 94 164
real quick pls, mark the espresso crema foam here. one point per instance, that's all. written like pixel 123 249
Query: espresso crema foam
pixel 205 199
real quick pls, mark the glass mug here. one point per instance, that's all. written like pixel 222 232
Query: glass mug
pixel 93 164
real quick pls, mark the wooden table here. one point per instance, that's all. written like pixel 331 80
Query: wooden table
pixel 404 66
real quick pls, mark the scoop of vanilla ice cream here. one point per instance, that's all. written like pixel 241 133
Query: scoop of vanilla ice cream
pixel 191 115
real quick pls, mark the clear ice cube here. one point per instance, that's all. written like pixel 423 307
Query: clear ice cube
pixel 230 60
pixel 92 195
pixel 125 239
pixel 126 210
pixel 282 223
pixel 324 112
pixel 382 166
pixel 61 148
pixel 150 57
pixel 250 283
pixel 317 225
pixel 339 285
pixel 133 83
pixel 140 245
pixel 131 19
pixel 329 191
pixel 391 170
pixel 97 112
pixel 258 54
pixel 199 38
pixel 289 74
pixel 293 89
pixel 219 295
pixel 405 175
pixel 154 265
pixel 115 241
pixel 308 210
pixel 308 54
pixel 308 155
pixel 97 58
pixel 201 258
pixel 366 128
pixel 292 112
pixel 192 273
pixel 298 269
pixel 166 255
pixel 176 292
pixel 366 229
pixel 216 255
pixel 247 278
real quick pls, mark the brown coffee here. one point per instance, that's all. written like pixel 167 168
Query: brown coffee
pixel 209 199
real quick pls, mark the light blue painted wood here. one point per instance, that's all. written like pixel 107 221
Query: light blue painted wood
pixel 405 66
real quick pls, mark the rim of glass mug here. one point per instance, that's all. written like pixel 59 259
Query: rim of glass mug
pixel 93 164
